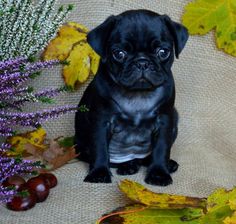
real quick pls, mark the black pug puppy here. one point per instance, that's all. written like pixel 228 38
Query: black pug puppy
pixel 131 119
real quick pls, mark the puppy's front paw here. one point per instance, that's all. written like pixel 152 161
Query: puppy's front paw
pixel 157 176
pixel 172 166
pixel 99 175
pixel 128 168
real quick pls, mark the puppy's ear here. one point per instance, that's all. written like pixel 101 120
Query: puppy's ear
pixel 97 38
pixel 179 32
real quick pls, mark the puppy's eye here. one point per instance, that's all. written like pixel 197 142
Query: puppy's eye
pixel 119 55
pixel 163 53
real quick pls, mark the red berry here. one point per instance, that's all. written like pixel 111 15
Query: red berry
pixel 49 178
pixel 25 187
pixel 22 202
pixel 41 189
pixel 15 181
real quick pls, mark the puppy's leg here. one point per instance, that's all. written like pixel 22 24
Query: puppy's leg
pixel 99 162
pixel 172 165
pixel 159 170
pixel 129 168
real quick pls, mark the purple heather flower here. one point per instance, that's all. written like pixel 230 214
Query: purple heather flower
pixel 10 167
pixel 12 63
pixel 14 93
pixel 40 65
pixel 6 194
pixel 13 79
pixel 9 92
pixel 33 118
pixel 49 93
pixel 4 147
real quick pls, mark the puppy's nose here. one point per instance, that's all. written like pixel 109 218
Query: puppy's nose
pixel 142 64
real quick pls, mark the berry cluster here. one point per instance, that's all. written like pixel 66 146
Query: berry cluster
pixel 30 192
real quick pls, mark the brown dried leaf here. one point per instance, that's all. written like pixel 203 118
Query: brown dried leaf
pixel 54 155
pixel 60 160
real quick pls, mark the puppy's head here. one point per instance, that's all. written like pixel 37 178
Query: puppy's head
pixel 138 47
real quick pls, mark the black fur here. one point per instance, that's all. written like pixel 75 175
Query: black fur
pixel 131 99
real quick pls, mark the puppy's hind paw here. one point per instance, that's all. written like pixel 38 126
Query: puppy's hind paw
pixel 158 177
pixel 128 168
pixel 99 175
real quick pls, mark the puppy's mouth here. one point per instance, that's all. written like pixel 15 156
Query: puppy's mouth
pixel 143 84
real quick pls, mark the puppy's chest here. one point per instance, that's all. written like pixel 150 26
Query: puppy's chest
pixel 138 106
pixel 132 128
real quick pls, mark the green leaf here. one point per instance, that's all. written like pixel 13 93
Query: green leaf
pixel 48 100
pixel 83 108
pixel 220 197
pixel 30 89
pixel 218 206
pixel 23 194
pixel 12 149
pixel 37 163
pixel 11 187
pixel 65 62
pixel 61 8
pixel 32 59
pixel 159 208
pixel 70 7
pixel 12 9
pixel 137 214
pixel 34 173
pixel 66 142
pixel 217 216
pixel 35 75
pixel 18 160
pixel 201 16
pixel 67 88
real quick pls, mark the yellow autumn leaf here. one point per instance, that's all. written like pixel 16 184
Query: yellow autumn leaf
pixel 79 27
pixel 71 46
pixel 232 204
pixel 18 142
pixel 79 64
pixel 201 16
pixel 139 193
pixel 60 47
pixel 230 220
pixel 159 208
pixel 218 206
pixel 221 197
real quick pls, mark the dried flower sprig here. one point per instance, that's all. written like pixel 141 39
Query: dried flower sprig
pixel 10 167
pixel 6 194
pixel 8 119
pixel 26 27
pixel 14 92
